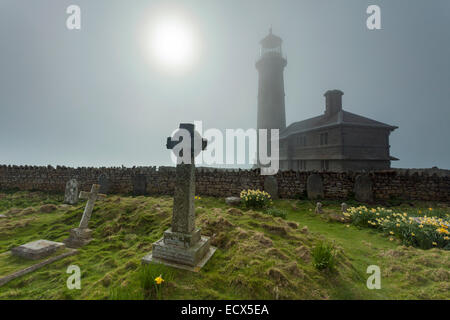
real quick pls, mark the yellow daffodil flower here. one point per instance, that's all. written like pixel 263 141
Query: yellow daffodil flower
pixel 159 280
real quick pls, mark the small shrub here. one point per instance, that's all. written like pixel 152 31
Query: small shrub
pixel 323 256
pixel 255 199
pixel 274 212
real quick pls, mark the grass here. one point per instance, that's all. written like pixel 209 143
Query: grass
pixel 259 256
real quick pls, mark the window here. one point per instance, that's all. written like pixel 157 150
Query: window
pixel 324 138
pixel 325 164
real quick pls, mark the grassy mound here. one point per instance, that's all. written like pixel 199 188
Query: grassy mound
pixel 259 256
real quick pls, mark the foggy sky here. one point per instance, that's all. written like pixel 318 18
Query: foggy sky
pixel 93 97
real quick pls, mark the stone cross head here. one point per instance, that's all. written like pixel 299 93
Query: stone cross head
pixel 197 142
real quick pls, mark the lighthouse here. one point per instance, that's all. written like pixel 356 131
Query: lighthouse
pixel 270 66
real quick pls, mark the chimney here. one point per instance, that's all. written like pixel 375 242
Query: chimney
pixel 333 101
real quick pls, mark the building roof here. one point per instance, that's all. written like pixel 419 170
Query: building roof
pixel 339 118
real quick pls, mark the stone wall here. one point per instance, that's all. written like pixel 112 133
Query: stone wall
pixel 396 183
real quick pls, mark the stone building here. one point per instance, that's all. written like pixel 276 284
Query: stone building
pixel 337 140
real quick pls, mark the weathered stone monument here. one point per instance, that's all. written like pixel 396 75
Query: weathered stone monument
pixel 363 188
pixel 139 184
pixel 103 181
pixel 344 207
pixel 71 194
pixel 271 186
pixel 233 201
pixel 37 249
pixel 82 235
pixel 318 208
pixel 314 187
pixel 182 245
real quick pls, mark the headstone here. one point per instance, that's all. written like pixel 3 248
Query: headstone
pixel 103 181
pixel 314 187
pixel 233 201
pixel 82 235
pixel 182 245
pixel 71 194
pixel 344 207
pixel 271 186
pixel 363 188
pixel 139 184
pixel 318 208
pixel 37 249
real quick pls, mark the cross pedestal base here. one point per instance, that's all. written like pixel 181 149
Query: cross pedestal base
pixel 185 240
pixel 183 251
pixel 78 237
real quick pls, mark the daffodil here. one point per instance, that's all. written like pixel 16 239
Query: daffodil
pixel 159 280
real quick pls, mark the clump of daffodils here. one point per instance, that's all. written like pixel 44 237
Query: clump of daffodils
pixel 255 198
pixel 411 228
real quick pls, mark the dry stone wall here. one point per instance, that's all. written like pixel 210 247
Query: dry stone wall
pixel 388 184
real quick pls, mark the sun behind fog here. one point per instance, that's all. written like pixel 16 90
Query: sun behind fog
pixel 173 43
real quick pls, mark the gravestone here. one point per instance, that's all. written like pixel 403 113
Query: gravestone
pixel 233 201
pixel 82 235
pixel 363 188
pixel 103 181
pixel 344 207
pixel 139 184
pixel 182 245
pixel 314 187
pixel 318 208
pixel 271 186
pixel 71 194
pixel 37 249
